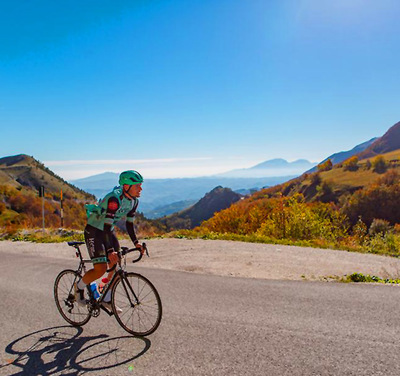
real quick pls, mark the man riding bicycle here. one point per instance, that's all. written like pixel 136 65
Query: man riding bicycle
pixel 100 238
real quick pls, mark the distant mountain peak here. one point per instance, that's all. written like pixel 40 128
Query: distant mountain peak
pixel 272 167
pixel 280 162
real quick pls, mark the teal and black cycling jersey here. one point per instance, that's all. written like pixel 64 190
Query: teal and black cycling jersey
pixel 111 209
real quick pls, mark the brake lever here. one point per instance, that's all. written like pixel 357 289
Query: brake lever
pixel 145 247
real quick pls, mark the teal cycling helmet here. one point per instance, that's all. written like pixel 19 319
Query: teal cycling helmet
pixel 130 177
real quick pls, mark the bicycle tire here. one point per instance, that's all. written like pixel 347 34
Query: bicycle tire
pixel 144 317
pixel 65 299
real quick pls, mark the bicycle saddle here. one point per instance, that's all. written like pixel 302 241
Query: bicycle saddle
pixel 74 244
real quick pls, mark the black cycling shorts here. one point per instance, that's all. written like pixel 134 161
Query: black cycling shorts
pixel 96 246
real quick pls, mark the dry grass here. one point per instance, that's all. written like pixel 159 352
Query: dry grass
pixel 359 178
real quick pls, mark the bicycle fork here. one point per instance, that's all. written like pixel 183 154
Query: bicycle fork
pixel 124 284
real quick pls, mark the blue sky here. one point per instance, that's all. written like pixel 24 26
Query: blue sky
pixel 188 88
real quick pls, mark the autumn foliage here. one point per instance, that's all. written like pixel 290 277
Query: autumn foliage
pixel 325 166
pixel 351 164
pixel 21 208
pixel 377 201
pixel 300 210
pixel 280 218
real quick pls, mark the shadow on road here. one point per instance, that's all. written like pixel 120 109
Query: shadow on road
pixel 65 349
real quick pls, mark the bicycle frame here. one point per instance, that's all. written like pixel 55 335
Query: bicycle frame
pixel 130 292
pixel 119 273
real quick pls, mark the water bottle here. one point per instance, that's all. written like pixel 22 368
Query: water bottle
pixel 95 292
pixel 102 285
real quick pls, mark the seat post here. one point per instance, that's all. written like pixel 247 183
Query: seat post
pixel 79 253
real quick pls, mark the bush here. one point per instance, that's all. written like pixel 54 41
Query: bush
pixel 384 244
pixel 316 179
pixel 351 164
pixel 359 277
pixel 325 166
pixel 325 192
pixel 280 218
pixel 360 231
pixel 375 201
pixel 379 226
pixel 297 220
pixel 396 228
pixel 389 178
pixel 379 164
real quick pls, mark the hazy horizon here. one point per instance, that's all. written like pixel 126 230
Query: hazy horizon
pixel 157 169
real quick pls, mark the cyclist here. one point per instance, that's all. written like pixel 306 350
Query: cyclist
pixel 100 238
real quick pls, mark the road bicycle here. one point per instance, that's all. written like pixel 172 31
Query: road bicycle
pixel 135 301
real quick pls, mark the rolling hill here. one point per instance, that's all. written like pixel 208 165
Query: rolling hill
pixel 23 171
pixel 217 199
pixel 331 185
pixel 21 208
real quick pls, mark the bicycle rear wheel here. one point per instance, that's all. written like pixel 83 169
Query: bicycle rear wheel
pixel 64 296
pixel 140 303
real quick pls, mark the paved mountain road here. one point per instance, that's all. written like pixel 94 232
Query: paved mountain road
pixel 212 325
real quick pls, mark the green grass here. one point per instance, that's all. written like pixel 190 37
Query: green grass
pixel 379 245
pixel 359 277
pixel 252 238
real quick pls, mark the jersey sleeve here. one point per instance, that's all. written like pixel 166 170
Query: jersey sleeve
pixel 129 223
pixel 112 207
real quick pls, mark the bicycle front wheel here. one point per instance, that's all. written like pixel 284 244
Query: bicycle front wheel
pixel 136 304
pixel 65 299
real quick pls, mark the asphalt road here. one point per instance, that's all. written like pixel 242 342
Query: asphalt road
pixel 211 326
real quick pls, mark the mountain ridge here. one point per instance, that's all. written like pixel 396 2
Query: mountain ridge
pixel 390 141
pixel 214 201
pixel 343 155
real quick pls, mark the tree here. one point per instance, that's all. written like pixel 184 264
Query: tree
pixel 325 166
pixel 351 164
pixel 379 164
pixel 376 201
